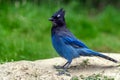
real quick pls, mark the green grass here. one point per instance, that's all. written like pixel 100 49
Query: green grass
pixel 92 77
pixel 96 77
pixel 25 30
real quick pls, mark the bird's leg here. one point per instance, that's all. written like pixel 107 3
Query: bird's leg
pixel 65 64
pixel 64 70
pixel 60 67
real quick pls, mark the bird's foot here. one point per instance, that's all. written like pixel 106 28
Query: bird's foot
pixel 63 72
pixel 58 67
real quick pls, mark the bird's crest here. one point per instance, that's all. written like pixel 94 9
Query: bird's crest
pixel 59 13
pixel 58 17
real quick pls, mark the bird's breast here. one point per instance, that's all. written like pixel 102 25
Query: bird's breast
pixel 57 44
pixel 63 49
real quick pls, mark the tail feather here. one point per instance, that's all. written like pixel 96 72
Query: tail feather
pixel 107 57
pixel 89 52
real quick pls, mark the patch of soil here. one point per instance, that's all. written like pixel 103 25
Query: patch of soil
pixel 44 70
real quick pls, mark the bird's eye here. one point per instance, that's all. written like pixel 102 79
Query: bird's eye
pixel 58 15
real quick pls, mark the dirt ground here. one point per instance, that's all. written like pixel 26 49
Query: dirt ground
pixel 44 70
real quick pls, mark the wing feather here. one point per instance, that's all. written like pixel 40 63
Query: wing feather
pixel 74 42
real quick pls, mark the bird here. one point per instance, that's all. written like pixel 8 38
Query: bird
pixel 66 44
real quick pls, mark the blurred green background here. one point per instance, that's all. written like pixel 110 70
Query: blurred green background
pixel 25 29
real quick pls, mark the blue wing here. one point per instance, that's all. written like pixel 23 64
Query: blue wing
pixel 74 42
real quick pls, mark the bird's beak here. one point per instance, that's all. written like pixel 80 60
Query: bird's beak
pixel 50 19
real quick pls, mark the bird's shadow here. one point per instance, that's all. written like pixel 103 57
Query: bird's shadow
pixel 88 69
pixel 91 67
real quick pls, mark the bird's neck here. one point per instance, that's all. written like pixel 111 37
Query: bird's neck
pixel 59 24
pixel 56 28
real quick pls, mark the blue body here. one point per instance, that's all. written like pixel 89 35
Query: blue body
pixel 66 44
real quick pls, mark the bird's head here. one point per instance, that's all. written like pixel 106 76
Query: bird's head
pixel 58 17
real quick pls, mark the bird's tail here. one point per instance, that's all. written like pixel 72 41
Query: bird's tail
pixel 107 57
pixel 88 52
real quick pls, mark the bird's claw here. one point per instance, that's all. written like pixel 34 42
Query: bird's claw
pixel 58 67
pixel 62 72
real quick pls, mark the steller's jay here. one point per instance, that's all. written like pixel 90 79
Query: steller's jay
pixel 66 44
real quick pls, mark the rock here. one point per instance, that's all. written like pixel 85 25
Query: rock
pixel 44 70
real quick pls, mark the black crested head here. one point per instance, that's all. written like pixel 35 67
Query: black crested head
pixel 58 18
